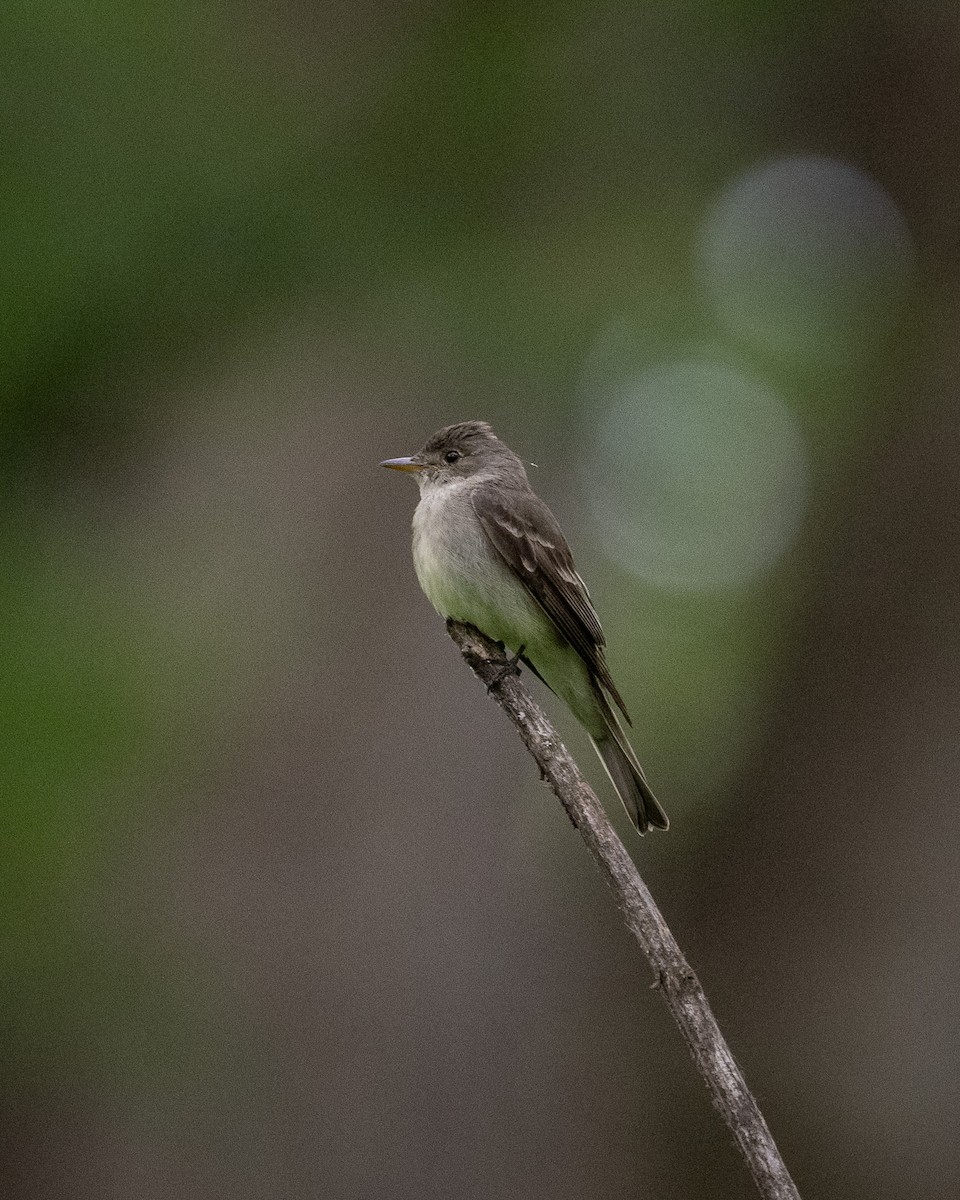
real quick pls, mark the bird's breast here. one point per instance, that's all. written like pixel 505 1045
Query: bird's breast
pixel 447 547
pixel 461 574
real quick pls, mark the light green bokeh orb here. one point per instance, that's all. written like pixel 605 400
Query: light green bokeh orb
pixel 698 475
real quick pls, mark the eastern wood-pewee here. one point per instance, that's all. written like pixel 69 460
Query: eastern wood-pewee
pixel 489 553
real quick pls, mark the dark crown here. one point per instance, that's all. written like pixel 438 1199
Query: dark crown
pixel 462 433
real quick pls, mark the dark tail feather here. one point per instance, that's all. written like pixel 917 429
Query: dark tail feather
pixel 627 777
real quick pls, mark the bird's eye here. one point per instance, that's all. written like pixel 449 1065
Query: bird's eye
pixel 452 456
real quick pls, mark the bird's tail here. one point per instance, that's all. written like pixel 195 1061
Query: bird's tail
pixel 627 777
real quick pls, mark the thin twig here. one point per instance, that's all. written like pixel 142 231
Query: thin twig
pixel 673 975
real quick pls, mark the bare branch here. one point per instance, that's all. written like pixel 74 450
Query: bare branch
pixel 678 984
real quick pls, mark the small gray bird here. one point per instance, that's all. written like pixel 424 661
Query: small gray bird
pixel 489 553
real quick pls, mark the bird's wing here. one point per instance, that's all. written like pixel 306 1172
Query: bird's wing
pixel 525 535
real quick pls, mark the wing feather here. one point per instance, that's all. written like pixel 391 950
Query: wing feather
pixel 526 536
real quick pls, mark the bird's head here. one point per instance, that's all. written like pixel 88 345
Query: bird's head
pixel 459 452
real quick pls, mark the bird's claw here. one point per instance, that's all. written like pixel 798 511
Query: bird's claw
pixel 510 667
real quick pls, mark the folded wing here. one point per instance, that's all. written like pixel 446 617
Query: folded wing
pixel 525 535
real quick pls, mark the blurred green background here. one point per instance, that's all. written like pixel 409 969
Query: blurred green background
pixel 287 911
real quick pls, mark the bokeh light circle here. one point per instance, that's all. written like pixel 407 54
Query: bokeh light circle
pixel 806 257
pixel 698 475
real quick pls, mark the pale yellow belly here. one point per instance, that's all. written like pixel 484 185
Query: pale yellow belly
pixel 483 592
pixel 464 580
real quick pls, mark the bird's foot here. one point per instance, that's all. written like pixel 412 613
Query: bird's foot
pixel 510 667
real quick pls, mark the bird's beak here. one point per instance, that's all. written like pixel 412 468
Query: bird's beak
pixel 403 464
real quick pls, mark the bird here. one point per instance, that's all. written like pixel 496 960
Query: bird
pixel 488 552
